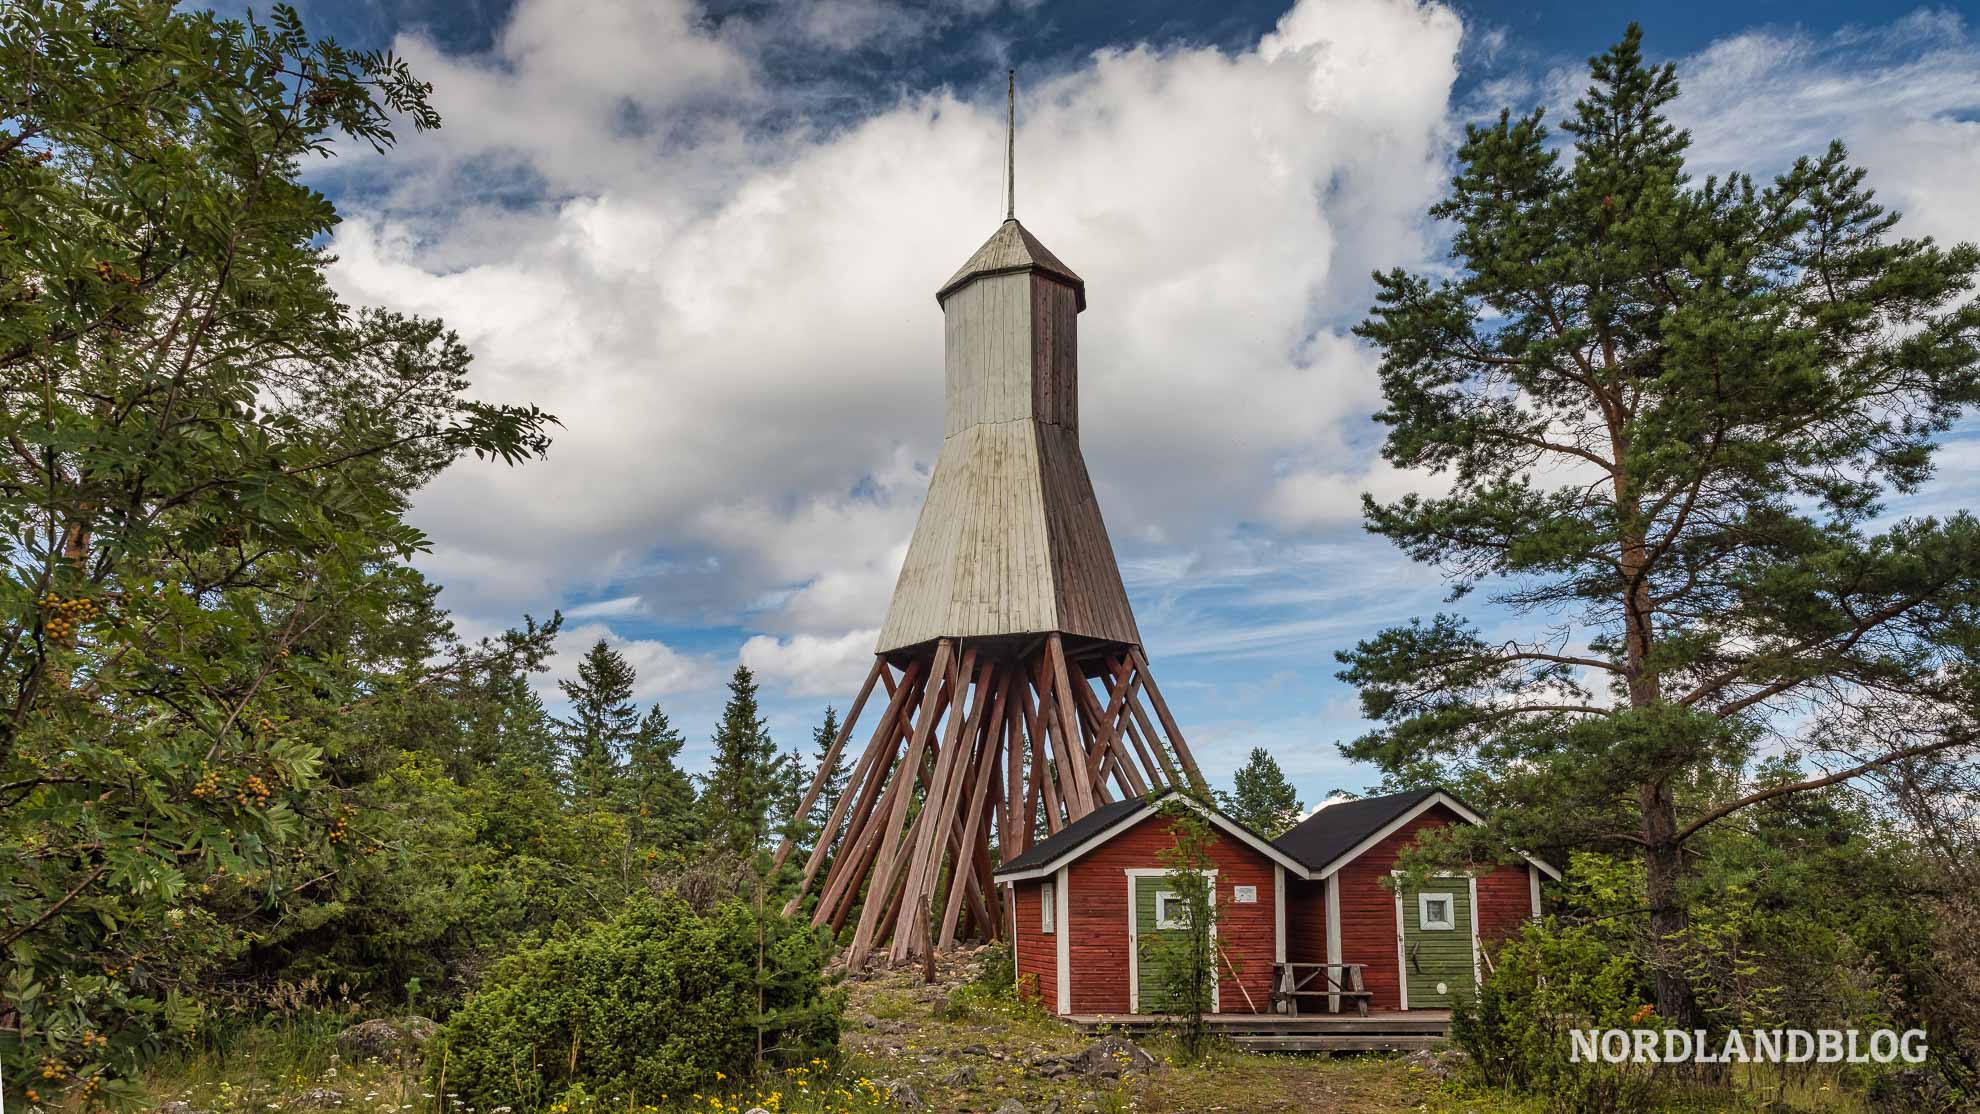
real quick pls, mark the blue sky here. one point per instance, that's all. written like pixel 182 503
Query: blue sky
pixel 708 237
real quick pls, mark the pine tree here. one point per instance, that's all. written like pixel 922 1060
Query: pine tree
pixel 737 792
pixel 1668 414
pixel 602 724
pixel 1261 798
pixel 661 796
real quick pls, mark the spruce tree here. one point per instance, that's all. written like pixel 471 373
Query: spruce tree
pixel 602 724
pixel 1668 414
pixel 1261 798
pixel 737 792
pixel 661 795
pixel 834 784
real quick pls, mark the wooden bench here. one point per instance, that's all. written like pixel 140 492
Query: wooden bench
pixel 1336 982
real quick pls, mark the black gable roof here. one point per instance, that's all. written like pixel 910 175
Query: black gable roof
pixel 1334 830
pixel 1075 833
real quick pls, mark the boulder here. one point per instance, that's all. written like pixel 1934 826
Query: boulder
pixel 1011 1106
pixel 901 1093
pixel 964 1076
pixel 384 1038
pixel 318 1098
pixel 1114 1057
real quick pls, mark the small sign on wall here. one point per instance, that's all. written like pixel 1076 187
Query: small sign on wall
pixel 1245 895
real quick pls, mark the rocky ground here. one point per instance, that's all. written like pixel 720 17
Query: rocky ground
pixel 955 1045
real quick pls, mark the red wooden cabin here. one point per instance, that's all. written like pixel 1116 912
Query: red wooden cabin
pixel 1085 899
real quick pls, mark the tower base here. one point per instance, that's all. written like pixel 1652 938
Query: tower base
pixel 983 746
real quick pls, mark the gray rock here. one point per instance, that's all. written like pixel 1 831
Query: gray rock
pixel 178 1106
pixel 1011 1106
pixel 964 1076
pixel 756 1110
pixel 320 1098
pixel 868 1021
pixel 388 1039
pixel 901 1094
pixel 1113 1057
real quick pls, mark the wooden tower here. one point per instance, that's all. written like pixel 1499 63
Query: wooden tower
pixel 1017 697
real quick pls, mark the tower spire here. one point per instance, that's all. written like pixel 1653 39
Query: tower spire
pixel 1010 146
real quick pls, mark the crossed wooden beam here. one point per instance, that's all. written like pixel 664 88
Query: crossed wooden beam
pixel 999 747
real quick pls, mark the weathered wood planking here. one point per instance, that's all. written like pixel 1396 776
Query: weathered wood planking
pixel 1010 539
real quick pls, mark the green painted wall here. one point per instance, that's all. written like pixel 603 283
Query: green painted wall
pixel 1432 956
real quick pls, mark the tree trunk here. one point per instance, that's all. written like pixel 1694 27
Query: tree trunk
pixel 1663 870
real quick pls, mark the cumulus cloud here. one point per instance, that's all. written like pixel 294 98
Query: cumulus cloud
pixel 808 664
pixel 736 323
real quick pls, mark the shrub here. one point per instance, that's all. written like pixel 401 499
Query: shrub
pixel 656 1002
pixel 1551 980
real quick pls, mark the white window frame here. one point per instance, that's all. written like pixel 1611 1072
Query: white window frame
pixel 1446 923
pixel 1162 920
pixel 1048 907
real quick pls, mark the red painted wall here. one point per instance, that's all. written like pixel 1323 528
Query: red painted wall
pixel 1037 952
pixel 1098 911
pixel 1368 908
pixel 1306 921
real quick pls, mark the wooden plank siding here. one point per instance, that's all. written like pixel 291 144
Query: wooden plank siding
pixel 1010 539
pixel 1099 951
pixel 1306 921
pixel 1368 908
pixel 1037 950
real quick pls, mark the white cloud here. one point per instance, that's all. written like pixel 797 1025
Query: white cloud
pixel 736 322
pixel 808 665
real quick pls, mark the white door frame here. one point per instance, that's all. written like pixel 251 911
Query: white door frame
pixel 1402 958
pixel 1134 938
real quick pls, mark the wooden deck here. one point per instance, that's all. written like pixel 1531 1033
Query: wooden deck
pixel 1380 1031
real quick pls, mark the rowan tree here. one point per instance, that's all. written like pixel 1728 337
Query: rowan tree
pixel 1669 414
pixel 205 463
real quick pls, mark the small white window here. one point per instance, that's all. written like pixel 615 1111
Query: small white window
pixel 1048 904
pixel 1171 911
pixel 1435 911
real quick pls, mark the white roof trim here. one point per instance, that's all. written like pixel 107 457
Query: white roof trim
pixel 1392 827
pixel 1221 822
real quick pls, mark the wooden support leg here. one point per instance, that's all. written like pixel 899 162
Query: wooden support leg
pixel 1169 724
pixel 831 759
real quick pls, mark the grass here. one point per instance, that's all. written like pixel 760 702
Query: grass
pixel 900 1033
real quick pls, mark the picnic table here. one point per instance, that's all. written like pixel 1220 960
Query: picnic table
pixel 1335 982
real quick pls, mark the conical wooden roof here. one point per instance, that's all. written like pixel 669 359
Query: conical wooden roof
pixel 1009 250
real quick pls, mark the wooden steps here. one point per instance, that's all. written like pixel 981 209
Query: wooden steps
pixel 1381 1031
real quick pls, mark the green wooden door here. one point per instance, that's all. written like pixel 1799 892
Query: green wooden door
pixel 1437 946
pixel 1152 993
